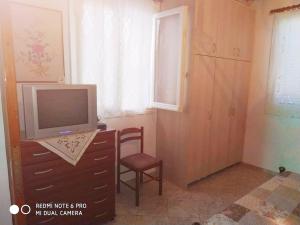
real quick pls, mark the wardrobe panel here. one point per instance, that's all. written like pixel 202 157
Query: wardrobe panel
pixel 200 111
pixel 207 17
pixel 220 124
pixel 239 112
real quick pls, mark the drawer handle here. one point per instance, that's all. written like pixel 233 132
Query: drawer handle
pixel 101 158
pixel 42 172
pixel 100 215
pixel 40 154
pixel 100 143
pixel 100 187
pixel 46 221
pixel 44 188
pixel 100 201
pixel 101 172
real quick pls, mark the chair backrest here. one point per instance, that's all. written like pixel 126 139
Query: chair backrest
pixel 129 134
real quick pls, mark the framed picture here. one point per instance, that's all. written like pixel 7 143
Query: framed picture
pixel 40 43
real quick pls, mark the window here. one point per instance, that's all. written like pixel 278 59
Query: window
pixel 169 59
pixel 111 46
pixel 284 71
pixel 135 65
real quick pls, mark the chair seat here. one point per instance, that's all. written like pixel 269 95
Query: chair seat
pixel 140 162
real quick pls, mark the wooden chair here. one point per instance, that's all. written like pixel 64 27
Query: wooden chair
pixel 137 163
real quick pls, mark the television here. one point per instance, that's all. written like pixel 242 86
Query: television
pixel 58 109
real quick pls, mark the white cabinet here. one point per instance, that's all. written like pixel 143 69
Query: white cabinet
pixel 200 115
pixel 207 17
pixel 223 28
pixel 208 136
pixel 238 112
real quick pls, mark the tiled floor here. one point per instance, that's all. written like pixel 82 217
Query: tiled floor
pixel 185 206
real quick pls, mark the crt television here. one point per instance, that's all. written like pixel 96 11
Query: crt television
pixel 58 109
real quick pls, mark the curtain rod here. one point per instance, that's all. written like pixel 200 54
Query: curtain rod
pixel 284 9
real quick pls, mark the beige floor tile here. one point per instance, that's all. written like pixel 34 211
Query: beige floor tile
pixel 197 203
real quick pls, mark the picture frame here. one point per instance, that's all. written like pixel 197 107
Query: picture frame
pixel 41 41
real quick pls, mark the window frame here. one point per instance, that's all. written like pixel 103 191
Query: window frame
pixel 271 107
pixel 182 11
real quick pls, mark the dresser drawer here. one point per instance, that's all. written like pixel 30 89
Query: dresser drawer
pixel 37 190
pixel 103 141
pixel 32 152
pixel 102 215
pixel 56 169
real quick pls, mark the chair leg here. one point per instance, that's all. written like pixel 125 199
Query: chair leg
pixel 141 177
pixel 160 177
pixel 118 178
pixel 137 188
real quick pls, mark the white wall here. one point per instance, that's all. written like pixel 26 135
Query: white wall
pixel 271 141
pixel 5 216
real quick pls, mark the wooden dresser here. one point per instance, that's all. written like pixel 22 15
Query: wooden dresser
pixel 50 179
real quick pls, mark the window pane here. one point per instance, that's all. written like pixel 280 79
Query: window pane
pixel 284 92
pixel 167 59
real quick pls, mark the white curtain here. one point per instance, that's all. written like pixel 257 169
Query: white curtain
pixel 111 47
pixel 284 82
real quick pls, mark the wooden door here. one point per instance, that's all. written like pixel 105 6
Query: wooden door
pixel 246 18
pixel 239 112
pixel 220 124
pixel 200 111
pixel 228 29
pixel 206 27
pixel 11 107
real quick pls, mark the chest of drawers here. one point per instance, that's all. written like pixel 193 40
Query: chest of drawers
pixel 47 178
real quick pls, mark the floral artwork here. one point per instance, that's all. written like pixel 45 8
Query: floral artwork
pixel 38 55
pixel 38 43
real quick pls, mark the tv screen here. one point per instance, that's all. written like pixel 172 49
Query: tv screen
pixel 60 108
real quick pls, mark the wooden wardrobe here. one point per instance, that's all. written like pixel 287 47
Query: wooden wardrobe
pixel 209 135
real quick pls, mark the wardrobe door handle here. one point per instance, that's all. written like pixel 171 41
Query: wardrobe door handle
pixel 230 112
pixel 42 172
pixel 101 172
pixel 209 115
pixel 101 158
pixel 233 111
pixel 44 188
pixel 214 48
pixel 40 154
pixel 46 221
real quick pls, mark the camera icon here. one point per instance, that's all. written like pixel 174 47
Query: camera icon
pixel 14 209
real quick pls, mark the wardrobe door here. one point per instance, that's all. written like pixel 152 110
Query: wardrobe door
pixel 246 19
pixel 207 16
pixel 228 29
pixel 200 106
pixel 220 125
pixel 239 112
